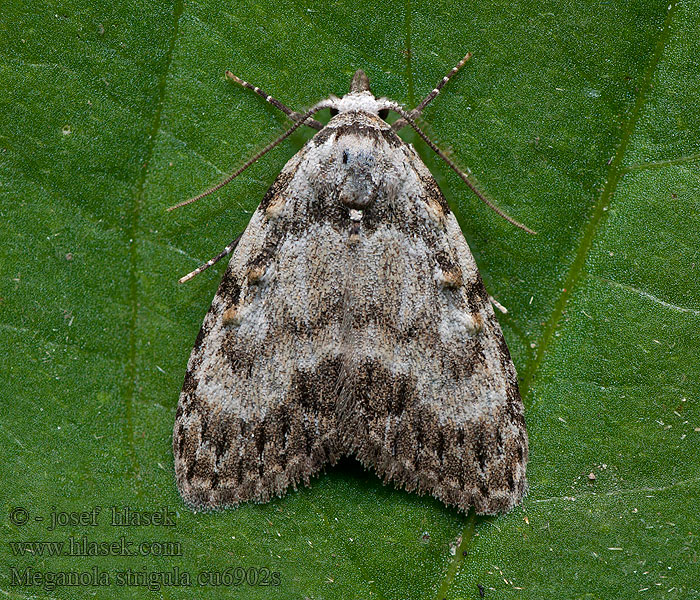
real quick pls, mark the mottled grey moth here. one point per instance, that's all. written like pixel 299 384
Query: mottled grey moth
pixel 351 320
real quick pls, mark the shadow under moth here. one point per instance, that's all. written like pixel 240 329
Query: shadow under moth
pixel 351 320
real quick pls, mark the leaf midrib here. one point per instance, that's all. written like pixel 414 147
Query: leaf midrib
pixel 615 173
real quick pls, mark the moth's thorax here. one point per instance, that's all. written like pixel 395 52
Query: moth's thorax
pixel 356 178
pixel 359 101
pixel 356 153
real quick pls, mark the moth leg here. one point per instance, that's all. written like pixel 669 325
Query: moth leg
pixel 401 123
pixel 226 251
pixel 498 305
pixel 292 114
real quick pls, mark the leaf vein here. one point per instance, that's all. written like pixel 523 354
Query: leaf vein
pixel 132 370
pixel 660 164
pixel 665 488
pixel 649 296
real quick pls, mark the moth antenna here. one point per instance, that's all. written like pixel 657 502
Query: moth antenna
pixel 320 106
pixel 436 90
pixel 212 261
pixel 419 109
pixel 292 114
pixel 463 176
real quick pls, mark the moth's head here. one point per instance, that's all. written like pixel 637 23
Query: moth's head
pixel 360 98
pixel 359 83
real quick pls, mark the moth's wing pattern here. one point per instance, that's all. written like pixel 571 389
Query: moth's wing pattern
pixel 256 412
pixel 434 403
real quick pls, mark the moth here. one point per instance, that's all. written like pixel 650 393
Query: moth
pixel 351 320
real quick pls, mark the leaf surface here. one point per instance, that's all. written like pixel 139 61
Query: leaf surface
pixel 574 117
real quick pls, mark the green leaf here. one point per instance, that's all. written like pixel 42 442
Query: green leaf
pixel 574 117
